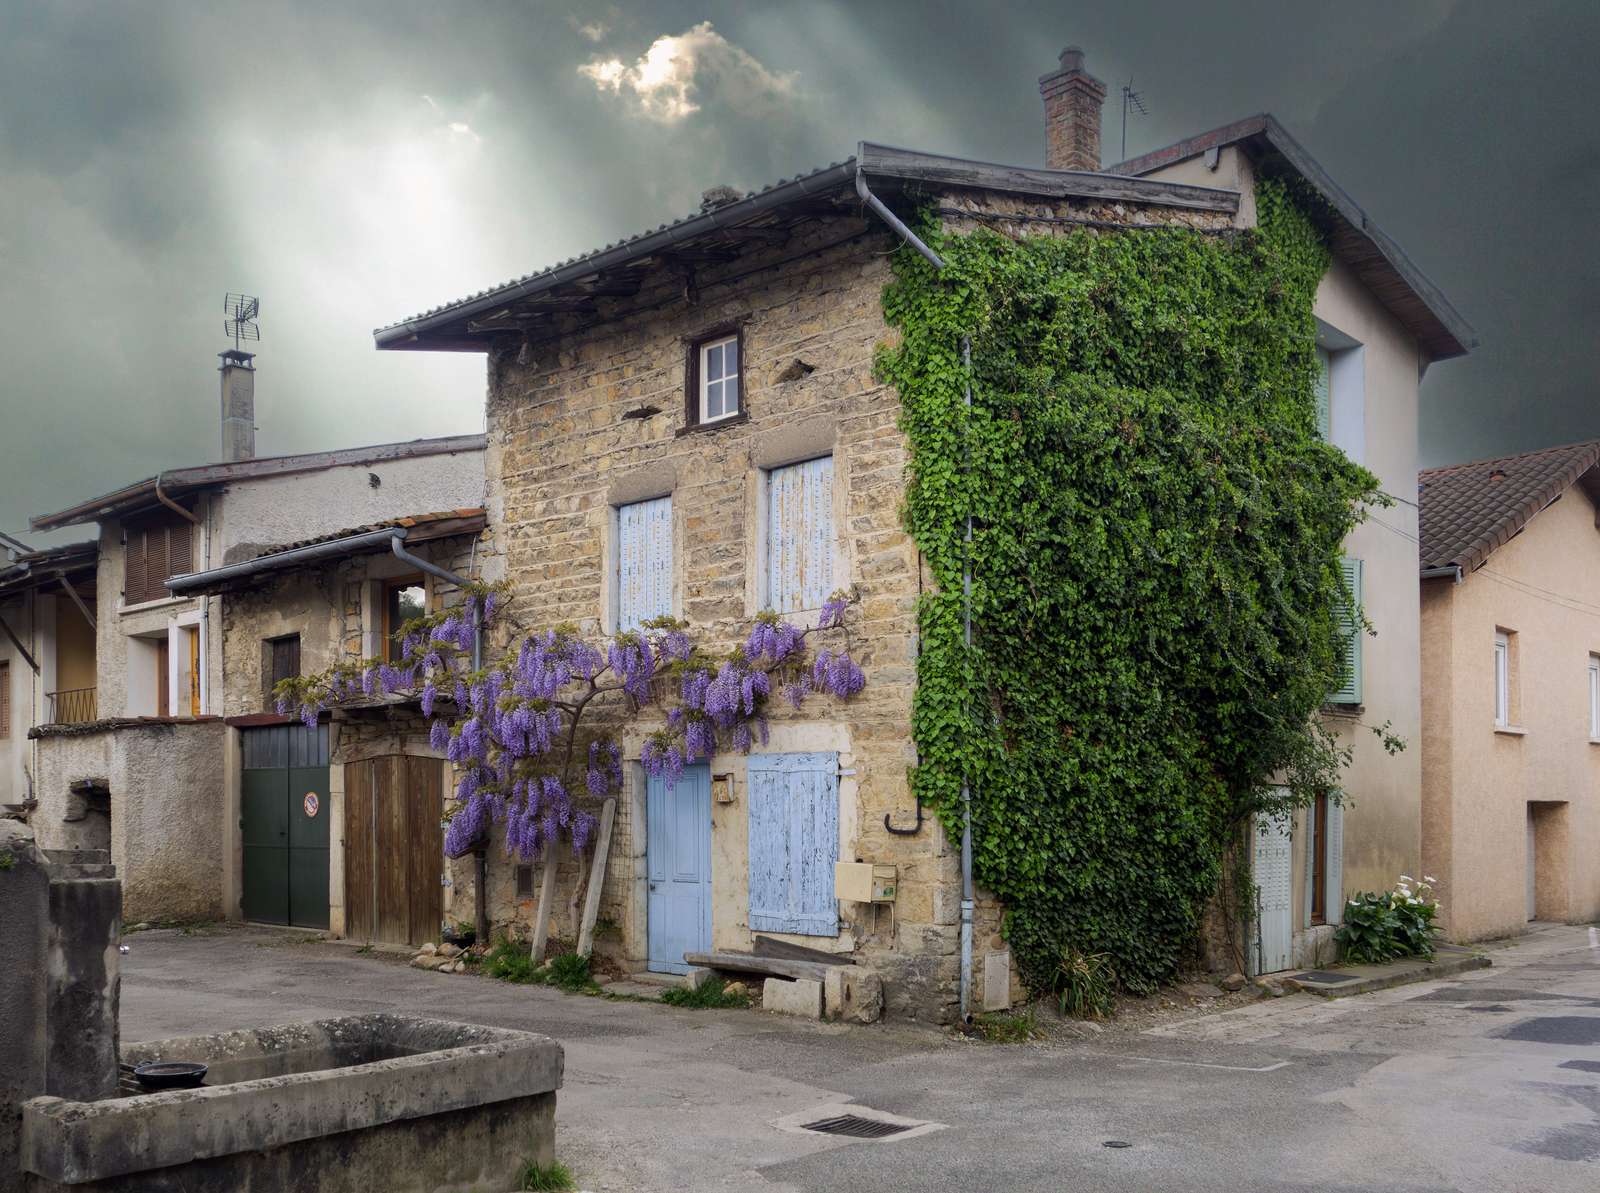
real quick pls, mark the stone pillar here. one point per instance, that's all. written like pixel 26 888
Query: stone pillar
pixel 239 404
pixel 1073 99
pixel 61 983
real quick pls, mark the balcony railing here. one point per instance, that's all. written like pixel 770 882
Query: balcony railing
pixel 71 706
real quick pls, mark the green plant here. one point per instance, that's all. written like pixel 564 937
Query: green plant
pixel 365 949
pixel 545 1178
pixel 711 993
pixel 1379 926
pixel 569 972
pixel 1085 985
pixel 1006 1027
pixel 8 860
pixel 510 961
pixel 1156 538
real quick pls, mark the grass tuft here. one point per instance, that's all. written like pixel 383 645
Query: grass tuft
pixel 1006 1027
pixel 710 994
pixel 545 1178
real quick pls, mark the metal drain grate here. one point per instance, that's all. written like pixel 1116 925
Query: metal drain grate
pixel 855 1126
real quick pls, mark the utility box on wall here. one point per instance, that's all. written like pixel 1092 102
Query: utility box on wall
pixel 863 882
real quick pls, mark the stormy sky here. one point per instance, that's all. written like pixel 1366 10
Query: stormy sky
pixel 354 163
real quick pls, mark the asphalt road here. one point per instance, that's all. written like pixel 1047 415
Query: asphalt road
pixel 1488 1082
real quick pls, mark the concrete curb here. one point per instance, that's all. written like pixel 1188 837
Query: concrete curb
pixel 1402 974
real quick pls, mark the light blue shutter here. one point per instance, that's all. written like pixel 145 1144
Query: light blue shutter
pixel 1348 613
pixel 1324 395
pixel 794 842
pixel 800 535
pixel 1333 894
pixel 644 562
pixel 1272 870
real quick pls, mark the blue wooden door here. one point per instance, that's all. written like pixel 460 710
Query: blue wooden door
pixel 678 865
pixel 794 843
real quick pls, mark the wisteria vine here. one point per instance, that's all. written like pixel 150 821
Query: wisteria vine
pixel 514 728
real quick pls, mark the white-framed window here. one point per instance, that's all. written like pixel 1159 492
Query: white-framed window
pixel 1502 679
pixel 717 378
pixel 644 562
pixel 1341 391
pixel 1594 697
pixel 800 536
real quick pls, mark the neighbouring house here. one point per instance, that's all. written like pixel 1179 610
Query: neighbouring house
pixel 132 718
pixel 1381 324
pixel 340 822
pixel 47 653
pixel 1511 699
pixel 685 403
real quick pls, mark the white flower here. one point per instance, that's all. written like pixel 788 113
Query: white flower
pixel 1405 878
pixel 1428 878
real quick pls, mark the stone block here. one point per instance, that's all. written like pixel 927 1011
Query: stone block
pixel 997 981
pixel 852 994
pixel 696 977
pixel 802 997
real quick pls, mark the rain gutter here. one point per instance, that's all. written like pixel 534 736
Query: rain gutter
pixel 282 559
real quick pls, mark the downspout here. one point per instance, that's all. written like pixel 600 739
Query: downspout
pixel 480 895
pixel 967 900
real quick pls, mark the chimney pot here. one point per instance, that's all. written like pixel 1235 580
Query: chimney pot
pixel 1073 99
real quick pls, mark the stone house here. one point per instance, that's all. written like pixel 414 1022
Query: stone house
pixel 359 797
pixel 1511 703
pixel 141 733
pixel 693 395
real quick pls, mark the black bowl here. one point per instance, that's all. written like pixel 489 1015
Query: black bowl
pixel 170 1074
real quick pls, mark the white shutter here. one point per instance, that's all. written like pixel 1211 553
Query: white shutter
pixel 800 535
pixel 644 562
pixel 1333 878
pixel 1273 865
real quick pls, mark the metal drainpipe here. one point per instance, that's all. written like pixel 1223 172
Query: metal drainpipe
pixel 480 899
pixel 966 789
pixel 967 901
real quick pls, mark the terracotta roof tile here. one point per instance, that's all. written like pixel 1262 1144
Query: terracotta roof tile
pixel 1469 510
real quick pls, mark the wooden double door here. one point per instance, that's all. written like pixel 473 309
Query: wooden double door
pixel 394 849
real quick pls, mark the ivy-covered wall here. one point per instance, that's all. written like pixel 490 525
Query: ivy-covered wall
pixel 1156 536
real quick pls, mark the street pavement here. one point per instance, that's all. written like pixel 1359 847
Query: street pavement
pixel 1486 1082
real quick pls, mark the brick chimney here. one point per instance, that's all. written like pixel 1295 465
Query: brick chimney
pixel 1072 102
pixel 238 405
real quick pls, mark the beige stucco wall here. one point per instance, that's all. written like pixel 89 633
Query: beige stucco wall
pixel 1479 782
pixel 1383 817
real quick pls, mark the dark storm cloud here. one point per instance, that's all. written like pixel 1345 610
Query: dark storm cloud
pixel 353 164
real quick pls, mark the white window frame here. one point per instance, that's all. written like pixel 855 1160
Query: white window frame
pixel 1345 360
pixel 1594 698
pixel 1502 679
pixel 704 382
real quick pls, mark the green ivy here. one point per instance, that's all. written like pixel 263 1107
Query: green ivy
pixel 1156 539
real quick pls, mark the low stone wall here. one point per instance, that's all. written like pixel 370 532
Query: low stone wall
pixel 366 1102
pixel 166 779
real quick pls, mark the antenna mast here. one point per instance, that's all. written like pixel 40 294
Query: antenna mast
pixel 242 311
pixel 1130 99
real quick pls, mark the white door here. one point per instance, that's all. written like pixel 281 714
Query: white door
pixel 1273 871
pixel 1533 870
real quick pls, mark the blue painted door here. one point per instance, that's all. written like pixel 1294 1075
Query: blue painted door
pixel 794 843
pixel 678 866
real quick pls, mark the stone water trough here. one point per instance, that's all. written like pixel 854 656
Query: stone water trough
pixel 365 1102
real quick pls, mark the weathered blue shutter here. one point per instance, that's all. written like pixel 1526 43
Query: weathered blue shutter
pixel 1348 690
pixel 1324 394
pixel 794 842
pixel 800 535
pixel 644 562
pixel 1333 874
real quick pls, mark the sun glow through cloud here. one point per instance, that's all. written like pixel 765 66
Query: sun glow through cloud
pixel 664 83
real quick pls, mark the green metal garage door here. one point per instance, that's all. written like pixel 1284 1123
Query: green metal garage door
pixel 284 823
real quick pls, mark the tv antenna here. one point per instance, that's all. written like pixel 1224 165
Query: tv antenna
pixel 1130 99
pixel 242 311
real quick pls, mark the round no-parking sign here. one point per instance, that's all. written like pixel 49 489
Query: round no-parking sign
pixel 312 803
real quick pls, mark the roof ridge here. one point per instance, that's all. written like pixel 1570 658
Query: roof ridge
pixel 1538 451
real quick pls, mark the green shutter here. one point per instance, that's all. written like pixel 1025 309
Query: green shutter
pixel 1348 614
pixel 1323 394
